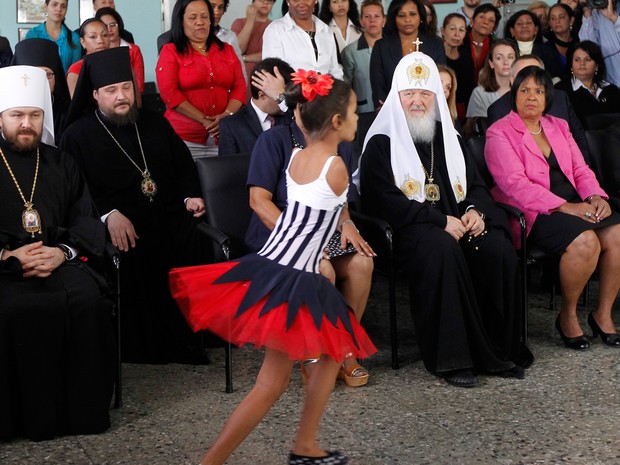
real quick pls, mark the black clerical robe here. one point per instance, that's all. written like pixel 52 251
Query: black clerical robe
pixel 56 333
pixel 152 328
pixel 466 294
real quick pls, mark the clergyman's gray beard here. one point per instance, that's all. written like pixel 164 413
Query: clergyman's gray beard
pixel 422 129
pixel 123 120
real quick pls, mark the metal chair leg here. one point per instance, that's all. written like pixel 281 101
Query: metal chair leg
pixel 228 356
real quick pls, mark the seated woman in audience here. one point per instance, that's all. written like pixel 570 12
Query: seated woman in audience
pixel 587 89
pixel 561 38
pixel 523 26
pixel 302 40
pixel 449 83
pixel 343 18
pixel 431 18
pixel 250 31
pixel 494 82
pixel 94 37
pixel 199 78
pixel 43 53
pixel 55 29
pixel 541 10
pixel 406 31
pixel 453 32
pixel 538 168
pixel 115 25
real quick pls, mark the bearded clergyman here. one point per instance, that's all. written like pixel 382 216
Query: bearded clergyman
pixel 56 336
pixel 145 185
pixel 450 238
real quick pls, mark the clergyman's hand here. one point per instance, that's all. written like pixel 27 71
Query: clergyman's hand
pixel 121 230
pixel 195 205
pixel 37 260
pixel 455 227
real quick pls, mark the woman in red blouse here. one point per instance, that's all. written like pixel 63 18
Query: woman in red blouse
pixel 199 77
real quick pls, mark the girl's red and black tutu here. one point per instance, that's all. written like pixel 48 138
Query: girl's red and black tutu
pixel 256 300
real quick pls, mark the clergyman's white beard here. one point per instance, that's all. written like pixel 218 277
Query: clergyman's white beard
pixel 422 128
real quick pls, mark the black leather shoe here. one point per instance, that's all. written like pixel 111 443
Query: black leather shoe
pixel 514 372
pixel 609 339
pixel 332 458
pixel 575 343
pixel 460 378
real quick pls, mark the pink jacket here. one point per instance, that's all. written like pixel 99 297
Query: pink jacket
pixel 521 171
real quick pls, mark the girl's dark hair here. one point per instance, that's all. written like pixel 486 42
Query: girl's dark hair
pixel 450 17
pixel 315 12
pixel 86 23
pixel 569 11
pixel 541 77
pixel 390 24
pixel 67 30
pixel 316 115
pixel 487 75
pixel 111 12
pixel 513 20
pixel 326 15
pixel 178 37
pixel 594 51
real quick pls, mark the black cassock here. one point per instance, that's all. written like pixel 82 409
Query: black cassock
pixel 56 333
pixel 466 300
pixel 152 327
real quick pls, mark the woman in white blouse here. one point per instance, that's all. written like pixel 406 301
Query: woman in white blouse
pixel 343 18
pixel 302 40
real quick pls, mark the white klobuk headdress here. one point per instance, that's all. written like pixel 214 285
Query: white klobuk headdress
pixel 27 86
pixel 417 71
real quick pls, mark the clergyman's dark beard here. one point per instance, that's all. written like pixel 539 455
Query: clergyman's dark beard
pixel 18 146
pixel 123 120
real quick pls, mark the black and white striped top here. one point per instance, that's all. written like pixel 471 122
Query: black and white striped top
pixel 306 224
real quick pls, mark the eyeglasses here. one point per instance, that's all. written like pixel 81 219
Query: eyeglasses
pixel 50 75
pixel 112 25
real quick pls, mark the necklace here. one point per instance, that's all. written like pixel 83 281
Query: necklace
pixel 537 132
pixel 430 188
pixel 477 44
pixel 199 48
pixel 31 220
pixel 148 186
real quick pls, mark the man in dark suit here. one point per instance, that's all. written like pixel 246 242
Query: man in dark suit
pixel 239 132
pixel 560 108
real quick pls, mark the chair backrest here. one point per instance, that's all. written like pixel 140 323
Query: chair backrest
pixel 601 120
pixel 227 201
pixel 476 152
pixel 596 141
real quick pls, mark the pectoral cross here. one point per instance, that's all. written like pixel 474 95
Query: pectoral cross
pixel 25 77
pixel 417 44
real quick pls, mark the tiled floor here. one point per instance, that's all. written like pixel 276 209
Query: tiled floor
pixel 567 410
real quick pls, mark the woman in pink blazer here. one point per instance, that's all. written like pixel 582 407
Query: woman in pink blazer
pixel 538 168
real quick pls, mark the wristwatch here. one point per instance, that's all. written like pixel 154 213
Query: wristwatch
pixel 280 98
pixel 65 250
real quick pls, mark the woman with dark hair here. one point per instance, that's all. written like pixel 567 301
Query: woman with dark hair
pixel 112 19
pixel 199 77
pixel 289 308
pixel 94 37
pixel 453 33
pixel 561 38
pixel 587 89
pixel 406 31
pixel 524 27
pixel 494 82
pixel 55 29
pixel 302 40
pixel 431 18
pixel 538 168
pixel 43 53
pixel 343 19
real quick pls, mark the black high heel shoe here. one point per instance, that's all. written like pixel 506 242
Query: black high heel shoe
pixel 609 339
pixel 575 343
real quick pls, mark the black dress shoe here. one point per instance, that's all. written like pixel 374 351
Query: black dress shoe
pixel 575 343
pixel 514 372
pixel 610 339
pixel 332 458
pixel 460 378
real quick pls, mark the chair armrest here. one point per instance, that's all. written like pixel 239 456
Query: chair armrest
pixel 217 236
pixel 377 232
pixel 113 254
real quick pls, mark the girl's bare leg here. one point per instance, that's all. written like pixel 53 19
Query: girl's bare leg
pixel 271 382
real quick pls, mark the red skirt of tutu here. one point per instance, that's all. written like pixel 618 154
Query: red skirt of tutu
pixel 213 306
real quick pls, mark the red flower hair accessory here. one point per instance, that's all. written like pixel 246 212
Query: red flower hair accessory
pixel 312 83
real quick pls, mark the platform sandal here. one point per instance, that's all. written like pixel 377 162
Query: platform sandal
pixel 332 458
pixel 355 376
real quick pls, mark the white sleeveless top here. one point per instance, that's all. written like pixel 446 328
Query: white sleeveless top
pixel 306 224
